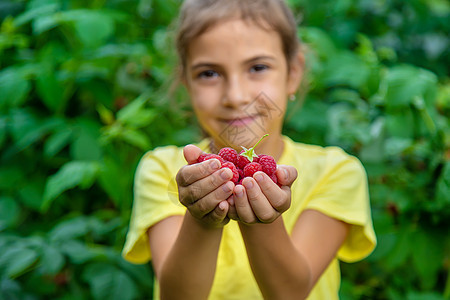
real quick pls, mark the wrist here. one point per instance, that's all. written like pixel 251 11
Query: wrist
pixel 204 224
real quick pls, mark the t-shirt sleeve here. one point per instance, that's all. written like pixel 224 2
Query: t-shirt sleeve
pixel 155 198
pixel 343 194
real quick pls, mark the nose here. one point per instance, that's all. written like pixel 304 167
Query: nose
pixel 236 92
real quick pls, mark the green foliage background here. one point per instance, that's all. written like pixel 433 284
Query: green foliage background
pixel 84 93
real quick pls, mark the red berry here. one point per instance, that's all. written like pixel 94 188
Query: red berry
pixel 241 173
pixel 233 168
pixel 251 169
pixel 211 156
pixel 242 161
pixel 202 157
pixel 274 178
pixel 268 164
pixel 229 154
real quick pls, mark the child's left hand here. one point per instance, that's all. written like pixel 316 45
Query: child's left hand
pixel 259 199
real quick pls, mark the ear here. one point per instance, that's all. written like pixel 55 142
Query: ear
pixel 296 71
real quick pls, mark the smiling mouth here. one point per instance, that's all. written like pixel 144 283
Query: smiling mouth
pixel 241 121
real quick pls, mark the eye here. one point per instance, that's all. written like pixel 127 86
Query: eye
pixel 208 74
pixel 258 68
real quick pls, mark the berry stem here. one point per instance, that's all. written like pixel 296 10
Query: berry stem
pixel 259 140
pixel 250 153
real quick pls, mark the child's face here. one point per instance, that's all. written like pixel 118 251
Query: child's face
pixel 238 80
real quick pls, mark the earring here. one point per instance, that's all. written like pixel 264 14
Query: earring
pixel 292 97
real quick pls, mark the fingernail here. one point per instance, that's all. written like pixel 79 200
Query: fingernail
pixel 227 187
pixel 239 192
pixel 285 173
pixel 249 184
pixel 231 201
pixel 222 205
pixel 225 174
pixel 259 177
pixel 215 165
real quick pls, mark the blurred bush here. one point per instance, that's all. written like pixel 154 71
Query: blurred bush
pixel 84 93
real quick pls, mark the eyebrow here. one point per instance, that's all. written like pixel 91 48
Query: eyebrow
pixel 250 60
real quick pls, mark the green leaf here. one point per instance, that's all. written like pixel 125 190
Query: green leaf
pixel 135 114
pixel 51 260
pixel 85 145
pixel 31 193
pixel 50 89
pixel 428 257
pixel 113 181
pixel 347 69
pixel 78 252
pixel 137 139
pixel 69 229
pixel 404 83
pixel 17 260
pixel 10 290
pixel 401 251
pixel 71 175
pixel 412 295
pixel 109 282
pixel 10 177
pixel 395 146
pixel 57 141
pixel 31 14
pixel 85 20
pixel 443 187
pixel 400 124
pixel 3 130
pixel 9 212
pixel 14 88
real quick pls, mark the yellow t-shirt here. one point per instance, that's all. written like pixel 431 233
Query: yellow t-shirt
pixel 329 181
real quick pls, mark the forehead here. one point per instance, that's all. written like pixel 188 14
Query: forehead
pixel 235 39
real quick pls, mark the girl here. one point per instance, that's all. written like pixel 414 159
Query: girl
pixel 240 62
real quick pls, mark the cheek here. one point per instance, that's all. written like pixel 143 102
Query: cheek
pixel 274 97
pixel 203 101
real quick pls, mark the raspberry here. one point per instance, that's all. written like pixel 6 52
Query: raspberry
pixel 241 173
pixel 211 156
pixel 268 164
pixel 274 178
pixel 233 168
pixel 229 154
pixel 202 157
pixel 251 169
pixel 242 161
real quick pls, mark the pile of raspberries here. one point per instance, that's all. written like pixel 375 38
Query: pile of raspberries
pixel 241 166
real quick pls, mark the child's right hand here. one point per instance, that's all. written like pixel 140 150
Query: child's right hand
pixel 204 188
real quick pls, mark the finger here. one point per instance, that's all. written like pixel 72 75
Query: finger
pixel 191 153
pixel 192 173
pixel 243 208
pixel 200 188
pixel 232 213
pixel 277 197
pixel 219 214
pixel 207 204
pixel 258 201
pixel 286 175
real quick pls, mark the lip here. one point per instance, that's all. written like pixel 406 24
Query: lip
pixel 240 121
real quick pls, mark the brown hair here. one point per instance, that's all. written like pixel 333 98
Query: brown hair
pixel 196 16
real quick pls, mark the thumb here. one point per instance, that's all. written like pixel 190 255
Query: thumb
pixel 286 175
pixel 191 153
